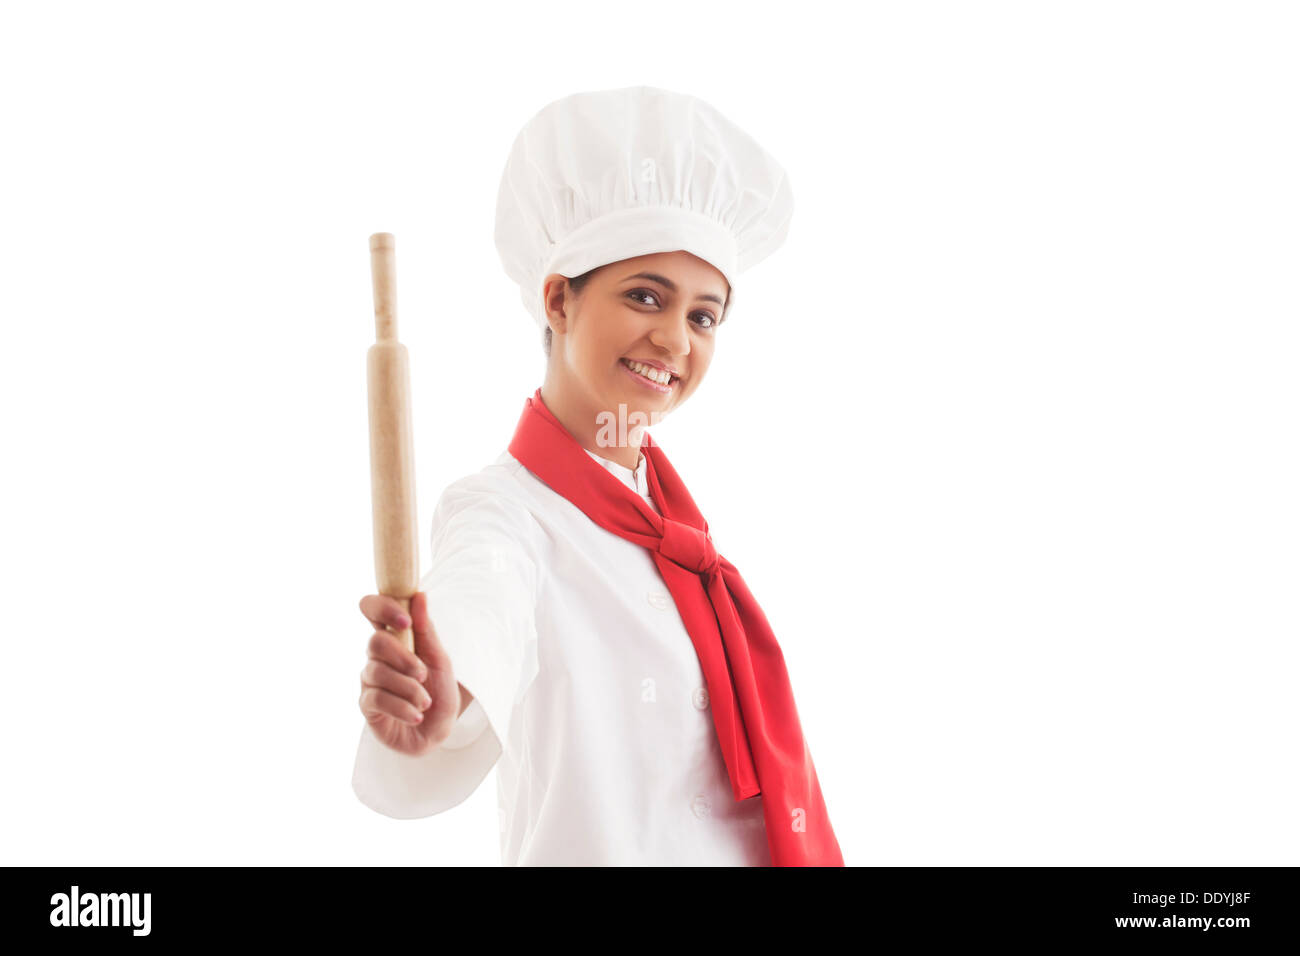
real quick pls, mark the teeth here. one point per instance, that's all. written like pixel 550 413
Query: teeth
pixel 654 374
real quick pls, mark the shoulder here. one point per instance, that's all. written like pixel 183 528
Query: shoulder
pixel 495 498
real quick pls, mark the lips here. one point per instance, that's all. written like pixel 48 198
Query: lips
pixel 648 383
pixel 676 376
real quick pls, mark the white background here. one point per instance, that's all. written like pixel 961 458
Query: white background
pixel 1003 438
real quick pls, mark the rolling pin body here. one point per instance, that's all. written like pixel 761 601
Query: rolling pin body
pixel 392 453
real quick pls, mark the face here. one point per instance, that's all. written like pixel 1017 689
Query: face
pixel 662 310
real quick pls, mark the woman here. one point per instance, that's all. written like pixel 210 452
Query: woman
pixel 577 622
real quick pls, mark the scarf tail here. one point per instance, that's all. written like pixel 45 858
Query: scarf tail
pixel 798 825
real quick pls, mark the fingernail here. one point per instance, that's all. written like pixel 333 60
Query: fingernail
pixel 424 704
pixel 403 621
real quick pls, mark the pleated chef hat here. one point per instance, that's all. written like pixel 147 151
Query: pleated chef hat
pixel 602 176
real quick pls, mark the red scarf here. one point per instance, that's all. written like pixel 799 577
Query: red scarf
pixel 749 689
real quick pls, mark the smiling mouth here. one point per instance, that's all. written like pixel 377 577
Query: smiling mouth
pixel 650 377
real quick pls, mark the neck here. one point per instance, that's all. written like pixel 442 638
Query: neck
pixel 586 423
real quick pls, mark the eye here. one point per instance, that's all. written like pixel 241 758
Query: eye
pixel 711 322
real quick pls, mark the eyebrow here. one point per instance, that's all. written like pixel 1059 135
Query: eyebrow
pixel 672 286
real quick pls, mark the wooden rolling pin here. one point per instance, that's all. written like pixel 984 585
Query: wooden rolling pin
pixel 392 455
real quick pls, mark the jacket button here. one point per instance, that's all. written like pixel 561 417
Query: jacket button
pixel 659 600
pixel 700 806
pixel 700 698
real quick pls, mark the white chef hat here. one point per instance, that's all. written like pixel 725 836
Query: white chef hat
pixel 607 175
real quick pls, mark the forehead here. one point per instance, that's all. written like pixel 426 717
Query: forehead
pixel 683 268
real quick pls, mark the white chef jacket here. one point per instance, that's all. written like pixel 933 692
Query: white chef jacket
pixel 588 694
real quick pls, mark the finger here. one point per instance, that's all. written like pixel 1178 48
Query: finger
pixel 376 702
pixel 385 646
pixel 378 674
pixel 383 611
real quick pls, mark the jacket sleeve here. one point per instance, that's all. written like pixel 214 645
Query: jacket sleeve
pixel 482 587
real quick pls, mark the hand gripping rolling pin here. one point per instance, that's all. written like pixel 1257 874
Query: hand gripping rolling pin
pixel 392 457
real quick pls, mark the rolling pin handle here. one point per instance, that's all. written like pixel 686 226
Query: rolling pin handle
pixel 383 276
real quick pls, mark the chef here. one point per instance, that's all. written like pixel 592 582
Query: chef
pixel 612 665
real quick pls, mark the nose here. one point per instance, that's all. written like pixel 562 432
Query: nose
pixel 673 332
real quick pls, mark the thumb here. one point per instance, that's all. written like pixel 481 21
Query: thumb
pixel 420 615
pixel 427 647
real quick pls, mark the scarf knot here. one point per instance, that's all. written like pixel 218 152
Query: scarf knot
pixel 689 547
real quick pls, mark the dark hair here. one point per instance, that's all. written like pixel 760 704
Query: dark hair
pixel 576 285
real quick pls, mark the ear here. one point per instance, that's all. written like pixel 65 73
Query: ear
pixel 554 291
